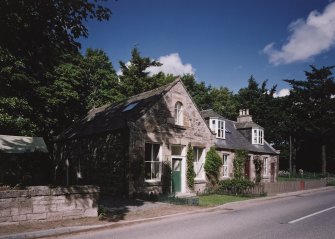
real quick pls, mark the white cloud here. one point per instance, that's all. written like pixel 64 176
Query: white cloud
pixel 282 93
pixel 172 64
pixel 308 38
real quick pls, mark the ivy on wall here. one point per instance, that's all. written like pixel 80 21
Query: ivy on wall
pixel 212 166
pixel 258 168
pixel 238 163
pixel 190 174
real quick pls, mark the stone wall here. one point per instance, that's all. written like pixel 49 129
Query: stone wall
pixel 99 159
pixel 42 203
pixel 157 125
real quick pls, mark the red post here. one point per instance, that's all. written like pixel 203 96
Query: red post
pixel 302 185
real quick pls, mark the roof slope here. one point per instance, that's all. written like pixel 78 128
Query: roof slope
pixel 234 139
pixel 115 116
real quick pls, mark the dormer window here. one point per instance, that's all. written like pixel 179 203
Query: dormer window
pixel 218 126
pixel 257 136
pixel 178 112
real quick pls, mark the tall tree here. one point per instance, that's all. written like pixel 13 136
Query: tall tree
pixel 223 101
pixel 135 76
pixel 35 36
pixel 262 105
pixel 313 103
pixel 101 81
pixel 39 31
pixel 198 91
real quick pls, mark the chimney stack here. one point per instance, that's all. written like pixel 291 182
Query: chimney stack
pixel 244 116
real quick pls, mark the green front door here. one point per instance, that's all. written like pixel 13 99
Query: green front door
pixel 176 175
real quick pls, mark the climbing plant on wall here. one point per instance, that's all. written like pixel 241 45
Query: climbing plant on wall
pixel 258 168
pixel 190 174
pixel 238 163
pixel 212 166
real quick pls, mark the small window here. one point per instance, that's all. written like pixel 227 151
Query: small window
pixel 225 165
pixel 152 162
pixel 178 111
pixel 198 159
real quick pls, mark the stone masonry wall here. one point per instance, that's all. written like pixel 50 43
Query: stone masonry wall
pixel 158 126
pixel 42 203
pixel 97 159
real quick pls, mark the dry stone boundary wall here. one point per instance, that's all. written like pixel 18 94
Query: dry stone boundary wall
pixel 41 203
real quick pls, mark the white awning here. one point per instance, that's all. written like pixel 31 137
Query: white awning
pixel 21 144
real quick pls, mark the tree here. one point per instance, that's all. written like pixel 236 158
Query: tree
pixel 223 101
pixel 36 38
pixel 135 78
pixel 313 103
pixel 40 31
pixel 262 105
pixel 15 111
pixel 101 81
pixel 198 91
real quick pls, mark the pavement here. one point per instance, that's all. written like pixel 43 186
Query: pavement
pixel 76 229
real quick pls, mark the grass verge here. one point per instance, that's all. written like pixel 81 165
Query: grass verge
pixel 218 199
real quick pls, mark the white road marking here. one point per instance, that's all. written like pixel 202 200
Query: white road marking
pixel 311 215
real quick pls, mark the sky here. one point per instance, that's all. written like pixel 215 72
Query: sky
pixel 221 42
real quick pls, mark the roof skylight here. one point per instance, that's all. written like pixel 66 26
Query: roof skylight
pixel 130 106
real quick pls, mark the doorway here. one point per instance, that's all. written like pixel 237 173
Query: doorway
pixel 176 175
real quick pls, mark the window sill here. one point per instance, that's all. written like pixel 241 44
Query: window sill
pixel 153 182
pixel 200 180
pixel 179 126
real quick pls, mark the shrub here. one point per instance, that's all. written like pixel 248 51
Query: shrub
pixel 212 166
pixel 190 174
pixel 258 168
pixel 235 185
pixel 238 163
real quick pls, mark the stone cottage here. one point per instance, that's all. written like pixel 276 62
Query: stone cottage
pixel 139 145
pixel 245 135
pixel 136 145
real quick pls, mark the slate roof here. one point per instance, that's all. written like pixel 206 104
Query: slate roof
pixel 234 139
pixel 115 116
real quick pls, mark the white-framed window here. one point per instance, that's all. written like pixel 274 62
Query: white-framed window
pixel 225 165
pixel 178 113
pixel 265 166
pixel 198 162
pixel 258 136
pixel 152 162
pixel 218 126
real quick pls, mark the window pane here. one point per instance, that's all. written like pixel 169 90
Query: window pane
pixel 147 170
pixel 176 165
pixel 148 152
pixel 155 170
pixel 155 152
pixel 177 150
pixel 195 154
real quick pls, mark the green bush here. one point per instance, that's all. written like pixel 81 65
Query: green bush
pixel 238 163
pixel 190 174
pixel 235 185
pixel 212 166
pixel 258 168
pixel 331 183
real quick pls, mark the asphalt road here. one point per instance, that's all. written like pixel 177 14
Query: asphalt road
pixel 308 216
